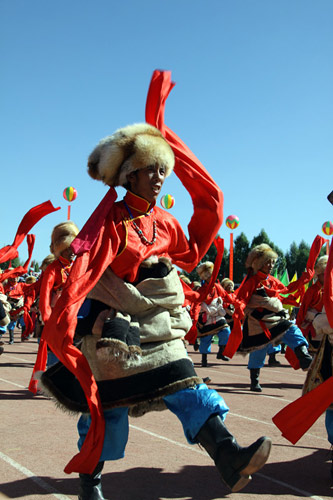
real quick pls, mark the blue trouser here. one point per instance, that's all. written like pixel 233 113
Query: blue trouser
pixel 329 425
pixel 51 359
pixel 292 338
pixel 273 349
pixel 10 328
pixel 206 342
pixel 192 406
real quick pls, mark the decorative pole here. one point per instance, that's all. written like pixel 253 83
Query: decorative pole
pixel 327 228
pixel 232 222
pixel 70 195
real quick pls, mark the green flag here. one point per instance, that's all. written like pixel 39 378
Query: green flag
pixel 285 278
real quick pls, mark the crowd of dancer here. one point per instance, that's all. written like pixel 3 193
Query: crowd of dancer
pixel 116 315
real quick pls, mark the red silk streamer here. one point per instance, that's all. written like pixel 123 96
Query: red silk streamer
pixel 159 90
pixel 40 364
pixel 231 257
pixel 31 218
pixel 296 419
pixel 18 271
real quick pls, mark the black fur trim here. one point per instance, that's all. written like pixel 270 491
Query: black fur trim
pixel 126 391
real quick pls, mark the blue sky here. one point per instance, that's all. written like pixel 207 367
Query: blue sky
pixel 253 100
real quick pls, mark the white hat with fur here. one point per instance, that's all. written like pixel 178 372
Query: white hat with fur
pixel 205 270
pixel 129 149
pixel 258 256
pixel 62 236
pixel 321 264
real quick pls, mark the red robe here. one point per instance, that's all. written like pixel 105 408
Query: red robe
pixel 50 286
pixel 313 299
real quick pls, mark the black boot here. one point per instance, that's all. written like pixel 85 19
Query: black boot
pixel 254 375
pixel 303 356
pixel 219 355
pixel 11 337
pixel 234 463
pixel 90 484
pixel 272 361
pixel 196 345
pixel 204 360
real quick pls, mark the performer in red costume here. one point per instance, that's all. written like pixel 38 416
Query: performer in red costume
pixel 266 322
pixel 312 304
pixel 50 286
pixel 111 248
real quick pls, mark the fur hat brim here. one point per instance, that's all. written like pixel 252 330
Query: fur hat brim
pixel 321 264
pixel 258 256
pixel 205 270
pixel 62 236
pixel 129 149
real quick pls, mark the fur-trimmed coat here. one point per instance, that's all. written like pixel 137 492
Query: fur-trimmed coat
pixel 265 320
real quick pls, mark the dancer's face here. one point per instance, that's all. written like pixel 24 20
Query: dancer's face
pixel 268 267
pixel 68 254
pixel 321 278
pixel 147 182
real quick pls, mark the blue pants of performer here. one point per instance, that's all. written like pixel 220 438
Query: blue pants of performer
pixel 329 425
pixel 10 329
pixel 273 349
pixel 206 342
pixel 192 406
pixel 292 338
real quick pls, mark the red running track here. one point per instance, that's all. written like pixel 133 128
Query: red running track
pixel 37 440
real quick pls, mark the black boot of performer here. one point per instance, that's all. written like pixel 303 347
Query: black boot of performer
pixel 303 356
pixel 90 484
pixel 11 337
pixel 204 360
pixel 272 361
pixel 254 375
pixel 196 345
pixel 219 355
pixel 234 463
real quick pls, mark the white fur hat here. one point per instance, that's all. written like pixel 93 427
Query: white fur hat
pixel 259 255
pixel 62 236
pixel 227 281
pixel 46 261
pixel 205 270
pixel 129 149
pixel 321 264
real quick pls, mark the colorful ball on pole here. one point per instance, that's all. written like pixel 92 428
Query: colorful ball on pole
pixel 232 221
pixel 69 193
pixel 327 228
pixel 167 201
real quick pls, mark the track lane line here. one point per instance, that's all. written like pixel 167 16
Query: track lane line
pixel 36 479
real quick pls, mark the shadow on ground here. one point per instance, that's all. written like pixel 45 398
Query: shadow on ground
pixel 307 476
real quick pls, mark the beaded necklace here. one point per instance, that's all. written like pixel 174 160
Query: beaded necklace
pixel 142 237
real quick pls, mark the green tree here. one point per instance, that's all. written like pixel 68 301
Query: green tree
pixel 211 256
pixel 296 258
pixel 241 250
pixel 263 238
